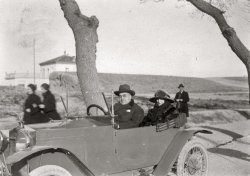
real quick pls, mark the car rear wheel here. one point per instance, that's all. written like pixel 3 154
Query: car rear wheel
pixel 50 170
pixel 193 160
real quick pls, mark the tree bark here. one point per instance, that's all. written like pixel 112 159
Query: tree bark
pixel 84 29
pixel 227 31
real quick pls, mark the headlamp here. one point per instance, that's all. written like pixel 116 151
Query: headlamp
pixel 21 138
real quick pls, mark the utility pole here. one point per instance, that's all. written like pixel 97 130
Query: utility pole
pixel 34 59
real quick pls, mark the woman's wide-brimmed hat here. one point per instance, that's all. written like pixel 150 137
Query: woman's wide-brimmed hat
pixel 180 85
pixel 160 94
pixel 124 88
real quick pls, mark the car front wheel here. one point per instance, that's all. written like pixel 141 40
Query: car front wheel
pixel 193 160
pixel 49 170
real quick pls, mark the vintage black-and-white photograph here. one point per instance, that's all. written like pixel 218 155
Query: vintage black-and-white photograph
pixel 124 88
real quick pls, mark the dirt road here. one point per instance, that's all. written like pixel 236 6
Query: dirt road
pixel 228 148
pixel 230 160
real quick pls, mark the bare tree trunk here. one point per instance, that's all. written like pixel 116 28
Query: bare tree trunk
pixel 228 32
pixel 248 74
pixel 84 29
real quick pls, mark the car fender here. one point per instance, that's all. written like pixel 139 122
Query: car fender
pixel 18 156
pixel 22 155
pixel 173 150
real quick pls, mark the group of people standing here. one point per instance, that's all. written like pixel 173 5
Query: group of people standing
pixel 37 110
pixel 130 115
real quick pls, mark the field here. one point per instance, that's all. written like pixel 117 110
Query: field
pixel 148 84
pixel 207 95
pixel 232 81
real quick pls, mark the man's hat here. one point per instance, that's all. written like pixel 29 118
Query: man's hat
pixel 180 85
pixel 124 88
pixel 160 94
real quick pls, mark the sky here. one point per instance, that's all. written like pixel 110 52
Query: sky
pixel 164 38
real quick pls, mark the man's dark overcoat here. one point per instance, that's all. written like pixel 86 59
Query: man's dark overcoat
pixel 182 106
pixel 129 115
pixel 50 106
pixel 34 116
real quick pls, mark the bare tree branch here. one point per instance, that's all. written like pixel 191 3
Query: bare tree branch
pixel 228 32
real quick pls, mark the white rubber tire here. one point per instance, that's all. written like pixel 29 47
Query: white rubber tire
pixel 49 170
pixel 192 152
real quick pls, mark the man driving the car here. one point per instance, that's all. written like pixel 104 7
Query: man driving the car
pixel 129 114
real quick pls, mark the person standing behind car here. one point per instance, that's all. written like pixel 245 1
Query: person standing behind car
pixel 129 114
pixel 182 99
pixel 32 113
pixel 48 105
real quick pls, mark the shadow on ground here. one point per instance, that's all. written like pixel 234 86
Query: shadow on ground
pixel 227 132
pixel 231 153
pixel 245 114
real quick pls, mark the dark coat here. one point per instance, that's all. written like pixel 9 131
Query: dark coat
pixel 182 106
pixel 50 106
pixel 129 115
pixel 160 114
pixel 34 116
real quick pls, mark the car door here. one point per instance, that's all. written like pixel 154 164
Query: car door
pixel 141 147
pixel 131 146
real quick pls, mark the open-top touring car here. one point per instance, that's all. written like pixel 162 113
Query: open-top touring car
pixel 94 146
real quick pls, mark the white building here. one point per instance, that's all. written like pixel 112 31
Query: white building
pixel 63 63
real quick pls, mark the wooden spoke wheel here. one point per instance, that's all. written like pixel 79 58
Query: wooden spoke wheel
pixel 193 160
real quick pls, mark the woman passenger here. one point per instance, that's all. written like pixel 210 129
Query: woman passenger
pixel 162 111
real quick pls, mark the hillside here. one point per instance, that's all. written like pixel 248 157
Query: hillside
pixel 146 83
pixel 240 82
pixel 240 79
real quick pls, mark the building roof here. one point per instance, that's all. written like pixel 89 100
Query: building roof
pixel 64 59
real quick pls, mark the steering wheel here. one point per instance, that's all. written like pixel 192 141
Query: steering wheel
pixel 98 107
